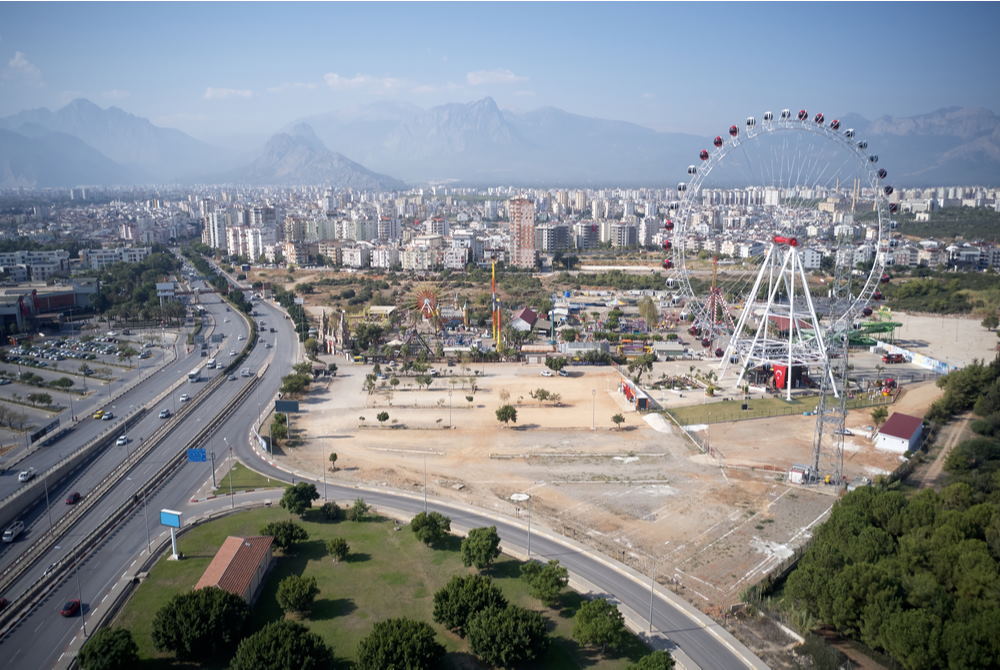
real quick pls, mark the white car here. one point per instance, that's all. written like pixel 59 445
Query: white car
pixel 185 397
pixel 563 373
pixel 241 338
pixel 26 475
pixel 122 440
pixel 164 413
pixel 546 373
pixel 13 530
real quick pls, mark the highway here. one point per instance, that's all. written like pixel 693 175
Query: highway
pixel 41 638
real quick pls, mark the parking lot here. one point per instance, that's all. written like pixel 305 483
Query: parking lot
pixel 51 378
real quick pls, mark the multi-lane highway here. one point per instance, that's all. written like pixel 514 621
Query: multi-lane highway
pixel 41 638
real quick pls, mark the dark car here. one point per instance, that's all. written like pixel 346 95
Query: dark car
pixel 3 603
pixel 73 498
pixel 71 608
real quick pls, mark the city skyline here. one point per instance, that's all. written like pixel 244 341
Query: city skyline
pixel 223 69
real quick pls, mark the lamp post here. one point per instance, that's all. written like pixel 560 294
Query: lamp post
pixel 232 500
pixel 79 594
pixel 520 498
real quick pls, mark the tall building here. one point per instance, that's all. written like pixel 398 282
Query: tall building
pixel 521 213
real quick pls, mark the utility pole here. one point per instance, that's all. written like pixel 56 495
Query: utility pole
pixel 652 583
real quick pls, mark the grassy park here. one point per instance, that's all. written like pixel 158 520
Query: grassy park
pixel 388 573
pixel 245 479
pixel 731 410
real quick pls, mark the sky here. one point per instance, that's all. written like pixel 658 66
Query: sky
pixel 218 69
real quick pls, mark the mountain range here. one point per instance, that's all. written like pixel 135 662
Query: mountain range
pixel 468 143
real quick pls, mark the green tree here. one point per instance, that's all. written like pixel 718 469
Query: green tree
pixel 400 644
pixel 424 380
pixel 556 363
pixel 545 580
pixel 330 511
pixel 62 383
pixel 40 399
pixel 649 313
pixel 279 429
pixel 990 322
pixel 382 417
pixel 506 414
pixel 338 548
pixel 430 527
pixel 658 660
pixel 127 353
pixel 200 625
pixel 281 645
pixel 333 461
pixel 879 415
pixel 298 498
pixel 463 596
pixel 311 345
pixel 358 511
pixel 481 547
pixel 285 533
pixel 618 420
pixel 297 593
pixel 507 637
pixel 599 623
pixel 109 649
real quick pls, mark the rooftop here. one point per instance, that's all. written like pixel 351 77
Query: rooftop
pixel 235 563
pixel 901 425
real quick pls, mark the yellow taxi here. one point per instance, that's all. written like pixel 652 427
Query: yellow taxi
pixel 98 414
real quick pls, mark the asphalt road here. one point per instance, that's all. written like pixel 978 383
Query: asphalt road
pixel 40 640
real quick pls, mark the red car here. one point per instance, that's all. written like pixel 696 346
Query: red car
pixel 71 608
pixel 73 498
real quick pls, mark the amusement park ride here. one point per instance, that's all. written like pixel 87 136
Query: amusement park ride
pixel 783 167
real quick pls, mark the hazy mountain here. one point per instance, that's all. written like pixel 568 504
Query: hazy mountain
pixel 41 158
pixel 298 157
pixel 162 154
pixel 478 142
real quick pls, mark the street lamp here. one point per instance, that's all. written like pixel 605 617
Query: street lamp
pixel 519 498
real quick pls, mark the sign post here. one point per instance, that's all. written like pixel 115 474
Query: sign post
pixel 172 520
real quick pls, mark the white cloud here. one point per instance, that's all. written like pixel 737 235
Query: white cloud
pixel 292 86
pixel 19 67
pixel 498 76
pixel 336 81
pixel 115 94
pixel 212 93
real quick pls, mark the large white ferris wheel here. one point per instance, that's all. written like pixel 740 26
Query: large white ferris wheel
pixel 777 244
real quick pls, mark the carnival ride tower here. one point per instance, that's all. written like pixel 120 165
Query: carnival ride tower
pixel 495 309
pixel 778 330
pixel 716 323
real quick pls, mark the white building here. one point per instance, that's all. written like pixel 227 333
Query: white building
pixel 901 433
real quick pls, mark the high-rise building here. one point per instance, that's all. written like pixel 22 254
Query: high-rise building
pixel 521 214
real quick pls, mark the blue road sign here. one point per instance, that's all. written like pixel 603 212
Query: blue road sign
pixel 169 517
pixel 197 456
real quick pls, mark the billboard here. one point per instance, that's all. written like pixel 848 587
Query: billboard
pixel 170 518
pixel 286 405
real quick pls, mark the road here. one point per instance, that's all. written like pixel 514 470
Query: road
pixel 40 640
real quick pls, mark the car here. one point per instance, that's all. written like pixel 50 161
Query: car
pixel 185 397
pixel 3 603
pixel 108 416
pixel 73 498
pixel 245 372
pixel 273 330
pixel 4 381
pixel 122 441
pixel 26 475
pixel 71 608
pixel 232 353
pixel 232 378
pixel 241 338
pixel 99 414
pixel 164 413
pixel 563 373
pixel 267 345
pixel 546 373
pixel 13 530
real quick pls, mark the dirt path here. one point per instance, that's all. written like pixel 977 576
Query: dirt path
pixel 949 437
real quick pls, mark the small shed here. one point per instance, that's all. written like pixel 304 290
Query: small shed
pixel 901 433
pixel 239 566
pixel 524 320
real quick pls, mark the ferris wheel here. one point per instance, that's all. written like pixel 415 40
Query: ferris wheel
pixel 778 239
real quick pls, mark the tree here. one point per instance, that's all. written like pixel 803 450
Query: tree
pixel 298 498
pixel 879 415
pixel 330 511
pixel 507 637
pixel 430 527
pixel 618 420
pixel 463 596
pixel 990 322
pixel 109 649
pixel 424 380
pixel 200 625
pixel 648 312
pixel 545 581
pixel 658 660
pixel 556 363
pixel 311 345
pixel 338 548
pixel 280 645
pixel 400 643
pixel 382 417
pixel 297 593
pixel 40 399
pixel 506 414
pixel 333 461
pixel 62 383
pixel 285 533
pixel 358 511
pixel 599 623
pixel 127 353
pixel 639 365
pixel 279 429
pixel 481 547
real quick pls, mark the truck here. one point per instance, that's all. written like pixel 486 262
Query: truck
pixel 893 358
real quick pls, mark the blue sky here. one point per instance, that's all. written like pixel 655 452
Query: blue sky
pixel 219 68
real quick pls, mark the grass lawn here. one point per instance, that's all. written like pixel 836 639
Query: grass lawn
pixel 388 574
pixel 245 479
pixel 730 410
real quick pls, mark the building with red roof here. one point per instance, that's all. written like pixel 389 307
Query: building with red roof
pixel 240 566
pixel 901 433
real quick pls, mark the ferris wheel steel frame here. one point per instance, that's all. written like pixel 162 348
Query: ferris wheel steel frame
pixel 842 305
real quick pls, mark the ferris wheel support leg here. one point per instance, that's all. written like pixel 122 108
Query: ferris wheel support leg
pixel 761 332
pixel 818 333
pixel 792 322
pixel 741 323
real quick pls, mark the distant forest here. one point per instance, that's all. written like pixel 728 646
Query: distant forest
pixel 968 223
